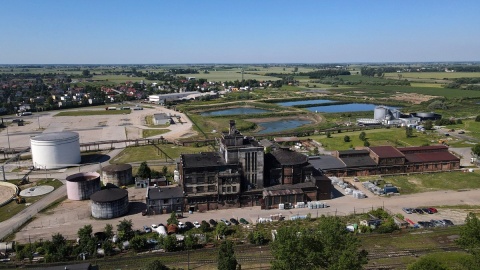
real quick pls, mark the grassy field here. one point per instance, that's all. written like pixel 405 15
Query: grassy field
pixel 376 137
pixel 93 112
pixel 153 132
pixel 433 75
pixel 471 128
pixel 13 208
pixel 149 152
pixel 416 183
pixel 230 75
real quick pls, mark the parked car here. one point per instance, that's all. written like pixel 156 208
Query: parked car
pixel 427 210
pixel 418 211
pixel 181 225
pixel 189 225
pixel 234 221
pixel 425 224
pixel 196 224
pixel 407 210
pixel 437 223
pixel 212 222
pixel 147 229
pixel 448 222
pixel 225 221
pixel 154 227
pixel 461 132
pixel 243 221
pixel 434 210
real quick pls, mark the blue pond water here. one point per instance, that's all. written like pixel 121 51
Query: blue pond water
pixel 281 125
pixel 234 111
pixel 351 107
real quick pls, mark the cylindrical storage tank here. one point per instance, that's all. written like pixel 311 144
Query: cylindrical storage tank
pixel 118 175
pixel 109 203
pixel 81 186
pixel 55 150
pixel 425 114
pixel 380 112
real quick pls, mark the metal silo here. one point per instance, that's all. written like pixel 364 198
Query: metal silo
pixel 109 203
pixel 117 175
pixel 55 150
pixel 81 186
pixel 380 112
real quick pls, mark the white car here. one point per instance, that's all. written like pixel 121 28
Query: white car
pixel 225 221
pixel 181 225
pixel 154 227
pixel 196 224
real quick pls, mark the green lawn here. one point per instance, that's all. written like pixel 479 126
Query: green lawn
pixel 376 137
pixel 153 132
pixel 230 75
pixel 92 112
pixel 416 183
pixel 470 127
pixel 149 152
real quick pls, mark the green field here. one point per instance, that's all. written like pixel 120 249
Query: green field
pixel 376 137
pixel 470 127
pixel 149 152
pixel 92 112
pixel 153 132
pixel 433 75
pixel 416 183
pixel 230 75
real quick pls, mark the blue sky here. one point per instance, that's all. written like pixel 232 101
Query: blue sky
pixel 247 31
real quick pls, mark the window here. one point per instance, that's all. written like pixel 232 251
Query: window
pixel 229 189
pixel 200 179
pixel 190 189
pixel 200 189
pixel 211 188
pixel 211 179
pixel 188 180
pixel 234 188
pixel 224 189
pixel 165 201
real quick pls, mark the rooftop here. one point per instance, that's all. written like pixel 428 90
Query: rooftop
pixel 117 167
pixel 386 151
pixel 109 195
pixel 289 157
pixel 326 162
pixel 55 136
pixel 431 157
pixel 160 193
pixel 204 159
pixel 423 148
pixel 353 152
pixel 359 161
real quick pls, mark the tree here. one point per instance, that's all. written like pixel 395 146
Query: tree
pixel 156 265
pixel 329 246
pixel 107 247
pixel 108 230
pixel 138 243
pixel 86 73
pixel 190 241
pixel 125 231
pixel 226 256
pixel 144 171
pixel 476 149
pixel 170 242
pixel 409 132
pixel 428 124
pixel 85 233
pixel 329 135
pixel 346 138
pixel 470 237
pixel 164 170
pixel 172 219
pixel 221 229
pixel 426 263
pixel 366 143
pixel 477 119
pixel 362 136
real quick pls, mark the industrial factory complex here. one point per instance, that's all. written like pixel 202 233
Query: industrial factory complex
pixel 384 115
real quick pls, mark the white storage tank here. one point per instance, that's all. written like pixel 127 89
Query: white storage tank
pixel 380 112
pixel 55 150
pixel 81 186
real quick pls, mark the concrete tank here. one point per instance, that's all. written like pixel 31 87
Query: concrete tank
pixel 81 186
pixel 380 112
pixel 426 114
pixel 117 175
pixel 109 203
pixel 55 150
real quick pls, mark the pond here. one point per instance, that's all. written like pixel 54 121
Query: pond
pixel 281 125
pixel 234 111
pixel 351 107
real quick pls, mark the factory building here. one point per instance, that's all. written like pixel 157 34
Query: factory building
pixel 383 115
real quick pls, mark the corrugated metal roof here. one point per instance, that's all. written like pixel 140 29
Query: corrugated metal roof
pixel 386 151
pixel 360 161
pixel 326 162
pixel 433 157
pixel 288 157
pixel 159 193
pixel 422 148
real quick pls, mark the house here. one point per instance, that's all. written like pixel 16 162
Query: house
pixel 161 119
pixel 163 200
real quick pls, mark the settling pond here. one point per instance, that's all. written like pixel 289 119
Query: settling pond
pixel 338 108
pixel 281 125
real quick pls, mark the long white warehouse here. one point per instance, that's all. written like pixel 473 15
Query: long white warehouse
pixel 55 150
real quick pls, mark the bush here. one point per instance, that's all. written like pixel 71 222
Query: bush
pixel 477 119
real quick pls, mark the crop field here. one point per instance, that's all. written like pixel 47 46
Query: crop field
pixel 229 75
pixel 93 112
pixel 432 91
pixel 109 78
pixel 433 75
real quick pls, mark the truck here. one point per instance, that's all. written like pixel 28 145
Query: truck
pixel 110 108
pixel 24 113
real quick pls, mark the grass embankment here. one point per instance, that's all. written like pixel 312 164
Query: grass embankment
pixel 153 132
pixel 92 112
pixel 416 183
pixel 149 152
pixel 13 208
